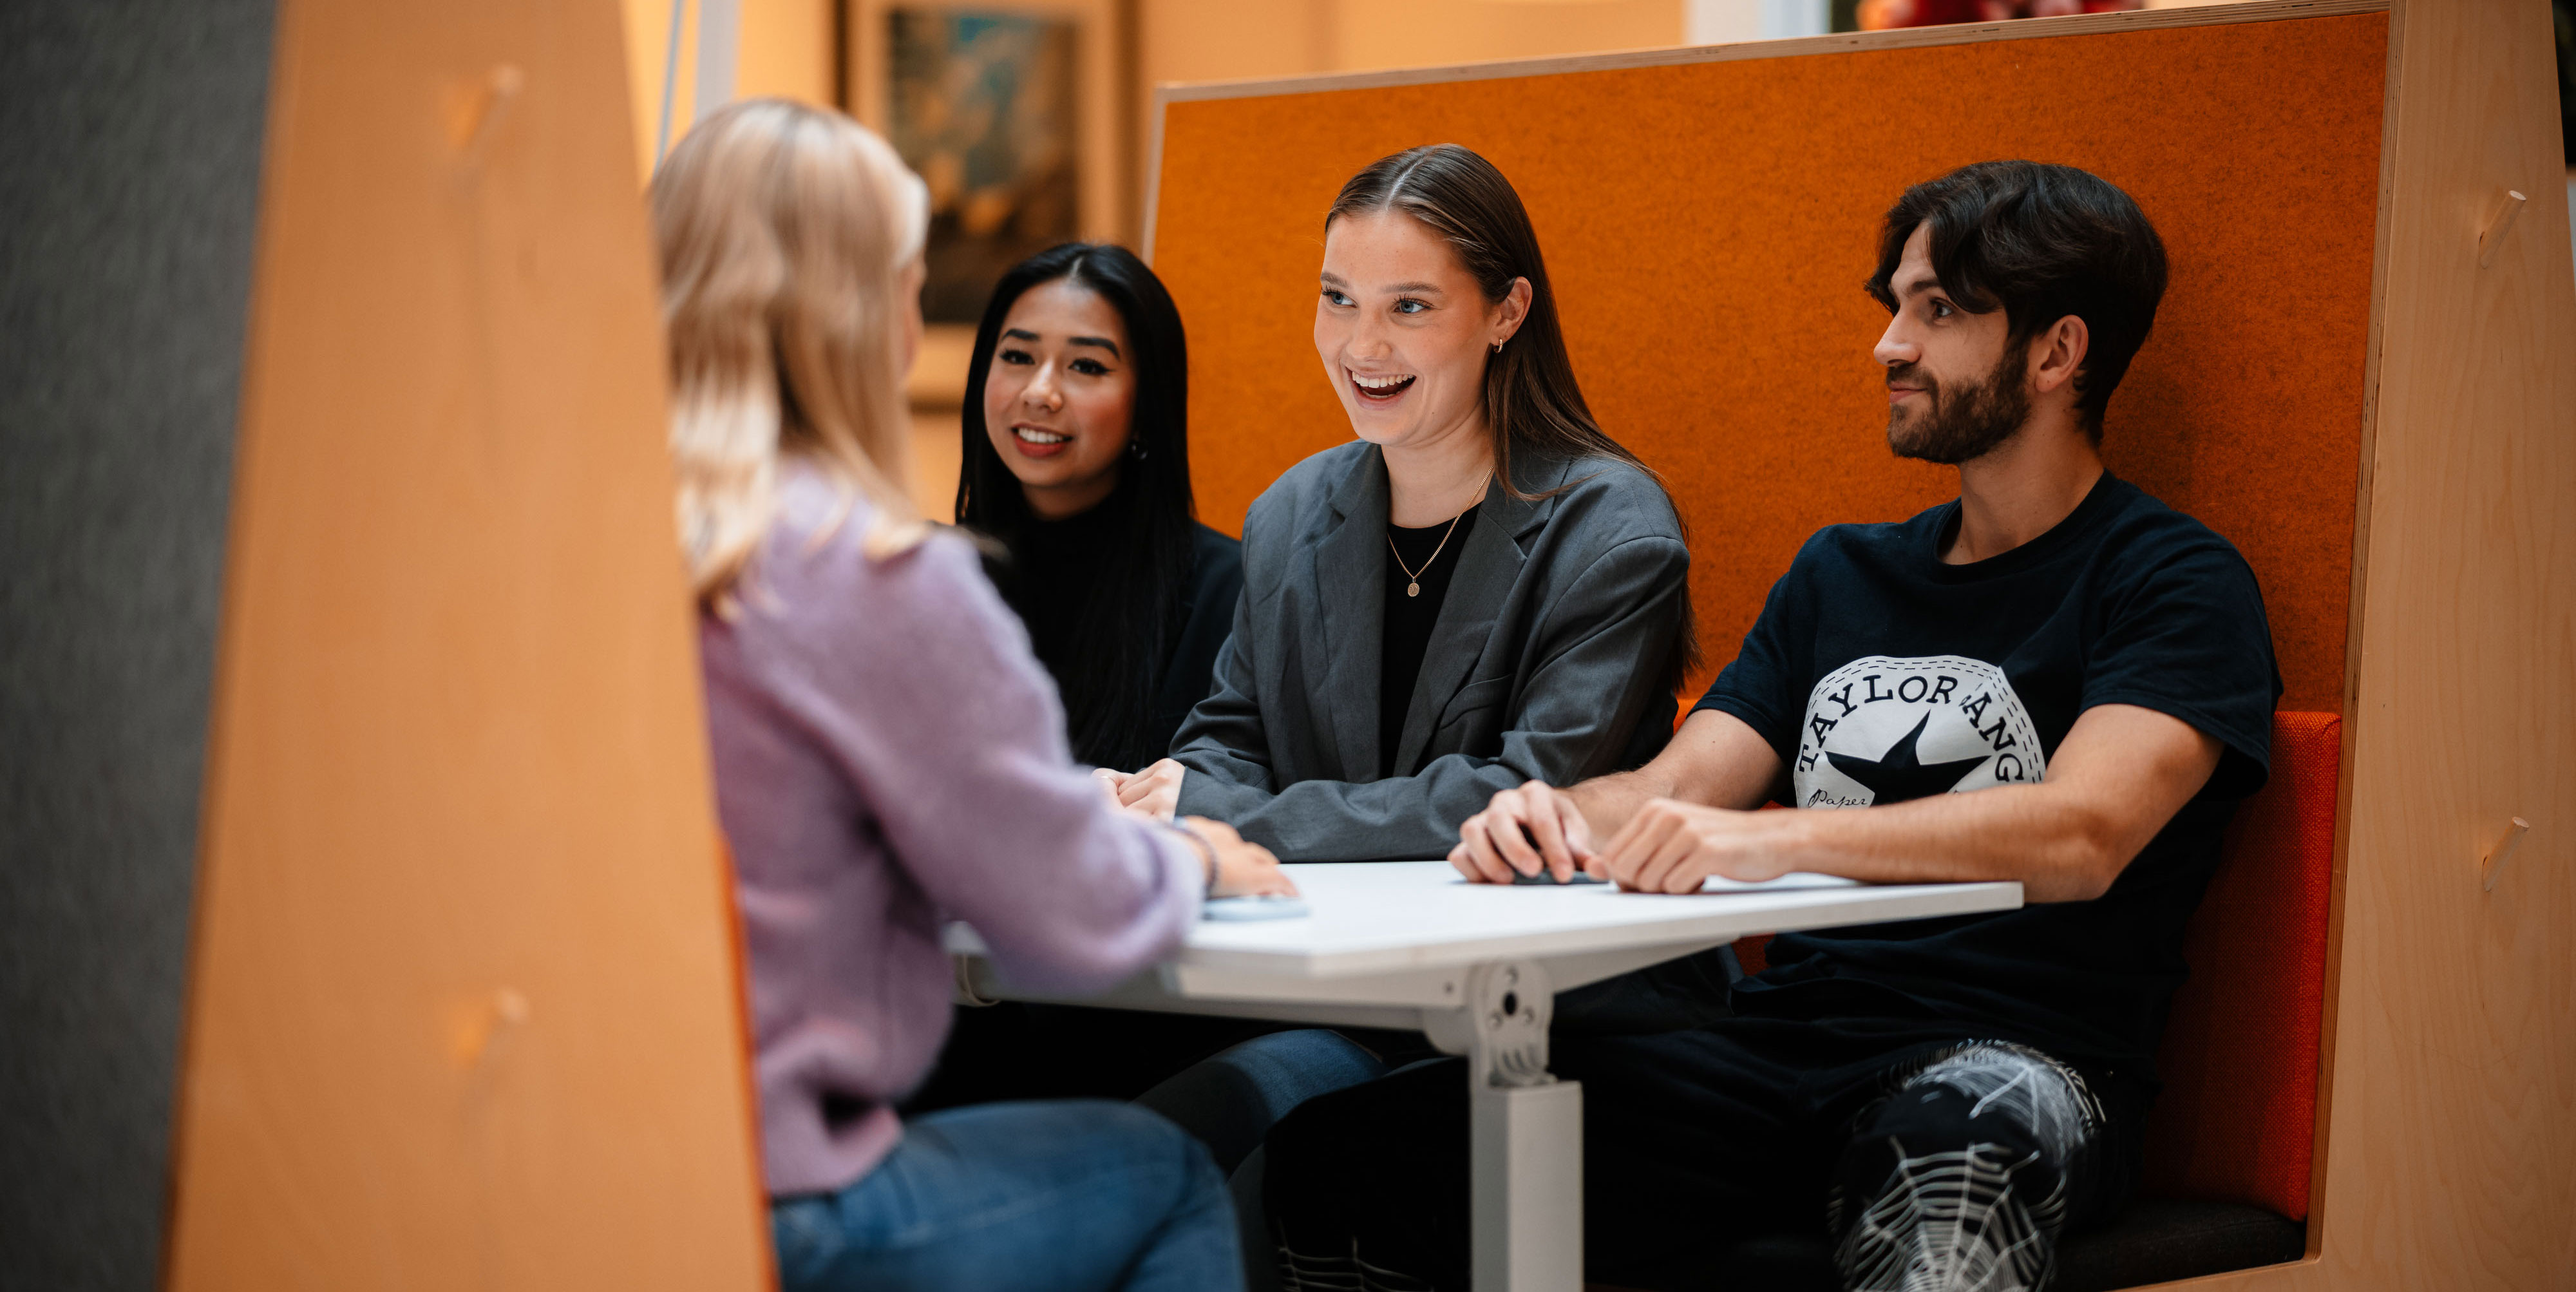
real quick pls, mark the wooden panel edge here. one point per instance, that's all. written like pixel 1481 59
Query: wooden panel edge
pixel 1170 92
pixel 222 710
pixel 2248 1277
pixel 2365 477
pixel 1154 175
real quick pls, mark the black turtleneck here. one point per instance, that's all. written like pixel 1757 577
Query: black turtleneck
pixel 1050 579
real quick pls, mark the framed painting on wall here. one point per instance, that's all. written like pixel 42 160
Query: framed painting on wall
pixel 1009 109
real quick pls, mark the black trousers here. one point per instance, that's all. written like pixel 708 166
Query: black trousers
pixel 1916 1154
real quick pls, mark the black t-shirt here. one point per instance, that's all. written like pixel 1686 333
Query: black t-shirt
pixel 1412 610
pixel 1881 674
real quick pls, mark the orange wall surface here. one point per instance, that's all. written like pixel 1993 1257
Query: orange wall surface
pixel 1708 227
pixel 783 48
pixel 463 1011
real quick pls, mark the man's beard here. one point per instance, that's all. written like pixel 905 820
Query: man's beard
pixel 1962 424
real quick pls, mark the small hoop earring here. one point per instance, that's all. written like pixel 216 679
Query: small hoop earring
pixel 1498 347
pixel 1136 448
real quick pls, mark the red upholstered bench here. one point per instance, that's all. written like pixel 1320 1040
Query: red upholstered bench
pixel 2237 1120
pixel 2232 1138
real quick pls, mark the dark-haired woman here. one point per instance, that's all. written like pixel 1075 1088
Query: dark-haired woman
pixel 1077 461
pixel 1483 589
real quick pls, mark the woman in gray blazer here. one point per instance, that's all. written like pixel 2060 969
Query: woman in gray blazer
pixel 1483 589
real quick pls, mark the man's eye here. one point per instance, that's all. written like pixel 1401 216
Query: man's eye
pixel 1411 306
pixel 1090 367
pixel 1941 309
pixel 1015 356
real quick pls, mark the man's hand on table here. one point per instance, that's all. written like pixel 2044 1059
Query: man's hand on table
pixel 1667 846
pixel 1522 832
pixel 1672 847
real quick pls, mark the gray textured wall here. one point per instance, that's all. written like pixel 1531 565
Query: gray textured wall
pixel 129 180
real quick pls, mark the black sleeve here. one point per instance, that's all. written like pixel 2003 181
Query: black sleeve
pixel 1762 684
pixel 1216 583
pixel 2187 638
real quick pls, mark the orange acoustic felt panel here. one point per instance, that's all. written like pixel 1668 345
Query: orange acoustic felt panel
pixel 1708 227
pixel 2237 1119
pixel 463 1010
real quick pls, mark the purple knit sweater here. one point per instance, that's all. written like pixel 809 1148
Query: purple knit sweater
pixel 888 754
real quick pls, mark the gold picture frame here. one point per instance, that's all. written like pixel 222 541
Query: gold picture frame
pixel 1014 111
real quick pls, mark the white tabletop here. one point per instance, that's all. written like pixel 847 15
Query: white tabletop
pixel 1410 944
pixel 1384 916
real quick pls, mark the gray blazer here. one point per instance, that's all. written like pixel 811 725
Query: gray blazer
pixel 1558 631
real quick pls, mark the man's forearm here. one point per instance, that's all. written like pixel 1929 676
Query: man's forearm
pixel 2118 777
pixel 1608 801
pixel 1714 760
pixel 2057 846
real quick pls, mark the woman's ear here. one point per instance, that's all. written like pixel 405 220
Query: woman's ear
pixel 1510 312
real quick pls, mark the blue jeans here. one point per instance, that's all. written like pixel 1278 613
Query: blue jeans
pixel 1021 1197
pixel 1230 1100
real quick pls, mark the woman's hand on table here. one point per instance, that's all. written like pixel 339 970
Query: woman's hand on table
pixel 1242 869
pixel 1109 781
pixel 1522 832
pixel 1154 792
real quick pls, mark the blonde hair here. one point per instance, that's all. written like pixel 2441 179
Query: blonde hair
pixel 787 235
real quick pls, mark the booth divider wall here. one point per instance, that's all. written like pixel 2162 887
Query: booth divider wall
pixel 2385 427
pixel 462 1001
pixel 1708 227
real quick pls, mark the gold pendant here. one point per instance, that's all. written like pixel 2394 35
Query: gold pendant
pixel 1413 589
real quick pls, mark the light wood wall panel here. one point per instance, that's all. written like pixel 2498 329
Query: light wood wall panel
pixel 464 1010
pixel 2450 1125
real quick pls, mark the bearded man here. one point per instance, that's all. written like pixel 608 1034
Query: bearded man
pixel 2054 679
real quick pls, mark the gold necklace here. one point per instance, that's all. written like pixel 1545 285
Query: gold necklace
pixel 1414 588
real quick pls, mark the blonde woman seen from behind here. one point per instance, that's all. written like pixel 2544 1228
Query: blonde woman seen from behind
pixel 888 755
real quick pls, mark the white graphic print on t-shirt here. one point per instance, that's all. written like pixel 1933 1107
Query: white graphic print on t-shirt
pixel 1884 730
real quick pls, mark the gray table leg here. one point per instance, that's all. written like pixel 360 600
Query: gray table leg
pixel 1525 1137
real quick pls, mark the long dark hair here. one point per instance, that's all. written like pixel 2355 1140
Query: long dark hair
pixel 1532 402
pixel 1130 622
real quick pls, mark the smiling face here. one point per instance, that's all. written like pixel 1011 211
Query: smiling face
pixel 1404 331
pixel 1956 386
pixel 1060 396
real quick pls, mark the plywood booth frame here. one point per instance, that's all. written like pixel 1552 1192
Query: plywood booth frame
pixel 2404 1232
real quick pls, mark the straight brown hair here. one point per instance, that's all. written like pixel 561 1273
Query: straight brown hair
pixel 1532 402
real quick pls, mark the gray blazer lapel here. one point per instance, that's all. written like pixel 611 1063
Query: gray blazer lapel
pixel 1350 578
pixel 1488 567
